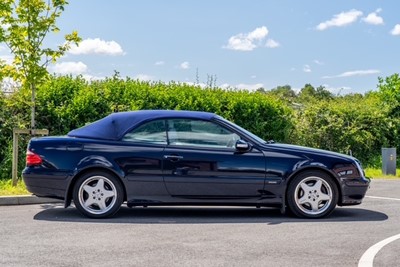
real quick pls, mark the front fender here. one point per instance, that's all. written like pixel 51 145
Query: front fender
pixel 343 174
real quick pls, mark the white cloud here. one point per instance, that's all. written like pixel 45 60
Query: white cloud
pixel 184 65
pixel 225 86
pixel 5 26
pixel 241 86
pixel 258 33
pixel 353 73
pixel 97 46
pixel 250 87
pixel 159 63
pixel 7 58
pixel 69 68
pixel 253 76
pixel 340 20
pixel 373 18
pixel 247 41
pixel 337 90
pixel 316 61
pixel 201 85
pixel 272 43
pixel 296 89
pixel 9 85
pixel 306 68
pixel 143 77
pixel 395 30
pixel 89 77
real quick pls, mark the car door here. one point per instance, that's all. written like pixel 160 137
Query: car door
pixel 141 159
pixel 200 161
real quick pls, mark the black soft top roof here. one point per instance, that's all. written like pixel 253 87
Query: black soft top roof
pixel 116 125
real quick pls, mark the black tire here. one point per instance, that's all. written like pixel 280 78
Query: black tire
pixel 98 194
pixel 312 194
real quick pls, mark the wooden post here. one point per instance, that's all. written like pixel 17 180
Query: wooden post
pixel 14 173
pixel 16 133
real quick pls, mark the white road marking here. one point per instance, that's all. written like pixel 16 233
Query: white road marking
pixel 386 198
pixel 367 259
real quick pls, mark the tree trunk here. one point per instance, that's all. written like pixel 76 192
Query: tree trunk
pixel 33 107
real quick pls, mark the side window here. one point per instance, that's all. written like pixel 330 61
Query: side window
pixel 151 132
pixel 187 132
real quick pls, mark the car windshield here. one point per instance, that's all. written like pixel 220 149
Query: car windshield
pixel 253 136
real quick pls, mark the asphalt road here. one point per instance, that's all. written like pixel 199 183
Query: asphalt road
pixel 49 235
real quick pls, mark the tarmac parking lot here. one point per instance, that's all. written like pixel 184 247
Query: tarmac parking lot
pixel 49 235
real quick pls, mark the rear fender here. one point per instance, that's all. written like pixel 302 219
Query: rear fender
pixel 88 164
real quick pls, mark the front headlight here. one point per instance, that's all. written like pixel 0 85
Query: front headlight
pixel 348 170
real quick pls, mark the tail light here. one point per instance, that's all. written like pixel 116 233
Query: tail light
pixel 32 159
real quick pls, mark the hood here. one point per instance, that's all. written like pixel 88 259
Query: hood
pixel 308 150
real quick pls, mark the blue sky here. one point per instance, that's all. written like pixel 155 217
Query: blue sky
pixel 343 45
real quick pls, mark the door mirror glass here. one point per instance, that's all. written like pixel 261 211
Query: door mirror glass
pixel 242 145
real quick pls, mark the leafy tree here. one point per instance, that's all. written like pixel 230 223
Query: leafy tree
pixel 25 24
pixel 389 89
pixel 261 90
pixel 283 92
pixel 353 123
pixel 310 94
pixel 307 93
pixel 322 94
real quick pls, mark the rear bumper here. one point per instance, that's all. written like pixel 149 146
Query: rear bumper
pixel 45 184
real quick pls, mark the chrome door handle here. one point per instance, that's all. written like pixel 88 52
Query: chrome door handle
pixel 173 157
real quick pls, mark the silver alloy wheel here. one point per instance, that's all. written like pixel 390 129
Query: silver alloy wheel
pixel 313 195
pixel 97 195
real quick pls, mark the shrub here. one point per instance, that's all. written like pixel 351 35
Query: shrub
pixel 65 103
pixel 354 123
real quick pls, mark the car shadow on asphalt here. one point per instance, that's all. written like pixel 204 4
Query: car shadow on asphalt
pixel 202 215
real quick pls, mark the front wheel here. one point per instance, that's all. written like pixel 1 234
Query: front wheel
pixel 98 195
pixel 312 194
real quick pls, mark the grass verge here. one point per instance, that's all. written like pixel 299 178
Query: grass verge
pixel 6 188
pixel 377 174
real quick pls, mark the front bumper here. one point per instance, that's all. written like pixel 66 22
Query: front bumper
pixel 354 190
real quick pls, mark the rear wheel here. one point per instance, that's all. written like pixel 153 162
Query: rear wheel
pixel 312 194
pixel 98 194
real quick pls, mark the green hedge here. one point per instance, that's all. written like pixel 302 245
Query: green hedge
pixel 360 123
pixel 65 103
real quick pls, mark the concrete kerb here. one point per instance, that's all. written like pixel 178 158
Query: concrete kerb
pixel 26 200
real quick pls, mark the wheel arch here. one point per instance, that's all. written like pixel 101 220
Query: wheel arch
pixel 313 168
pixel 68 194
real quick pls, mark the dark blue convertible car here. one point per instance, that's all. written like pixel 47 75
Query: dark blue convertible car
pixel 159 157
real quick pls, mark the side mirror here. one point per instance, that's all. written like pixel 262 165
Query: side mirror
pixel 242 146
